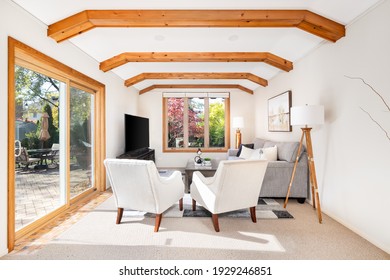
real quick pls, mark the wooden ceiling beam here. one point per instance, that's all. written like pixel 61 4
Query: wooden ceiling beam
pixel 195 76
pixel 302 19
pixel 265 57
pixel 152 87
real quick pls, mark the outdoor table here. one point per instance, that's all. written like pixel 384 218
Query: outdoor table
pixel 40 153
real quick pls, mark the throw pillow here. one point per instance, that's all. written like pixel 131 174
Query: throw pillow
pixel 246 153
pixel 270 154
pixel 256 154
pixel 245 145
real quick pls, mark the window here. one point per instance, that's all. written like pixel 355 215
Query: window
pixel 195 120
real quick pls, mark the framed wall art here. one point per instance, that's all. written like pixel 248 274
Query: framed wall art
pixel 279 112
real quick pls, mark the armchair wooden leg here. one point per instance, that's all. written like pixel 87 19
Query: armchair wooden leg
pixel 193 205
pixel 253 214
pixel 181 204
pixel 119 216
pixel 215 222
pixel 158 222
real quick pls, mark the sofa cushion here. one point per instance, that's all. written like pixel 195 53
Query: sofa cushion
pixel 286 150
pixel 268 144
pixel 245 145
pixel 258 143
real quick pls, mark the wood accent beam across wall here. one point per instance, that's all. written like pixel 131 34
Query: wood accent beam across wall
pixel 152 87
pixel 195 76
pixel 265 57
pixel 302 19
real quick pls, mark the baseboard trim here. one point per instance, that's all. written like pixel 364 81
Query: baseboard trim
pixel 357 231
pixel 3 252
pixel 354 229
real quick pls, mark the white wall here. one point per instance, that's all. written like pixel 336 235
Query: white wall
pixel 150 106
pixel 352 155
pixel 20 25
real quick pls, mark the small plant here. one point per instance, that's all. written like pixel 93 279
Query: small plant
pixel 207 159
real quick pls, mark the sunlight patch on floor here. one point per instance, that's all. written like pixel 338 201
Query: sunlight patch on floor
pixel 246 241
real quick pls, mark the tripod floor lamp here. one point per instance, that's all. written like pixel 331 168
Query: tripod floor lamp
pixel 307 116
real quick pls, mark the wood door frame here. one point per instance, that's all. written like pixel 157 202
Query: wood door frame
pixel 18 50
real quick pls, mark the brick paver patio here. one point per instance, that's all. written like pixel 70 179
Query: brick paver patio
pixel 37 192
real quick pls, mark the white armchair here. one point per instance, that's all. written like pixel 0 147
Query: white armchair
pixel 137 185
pixel 235 185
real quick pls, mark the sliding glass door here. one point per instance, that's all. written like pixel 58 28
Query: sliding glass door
pixel 43 124
pixel 40 143
pixel 56 139
pixel 38 126
pixel 81 140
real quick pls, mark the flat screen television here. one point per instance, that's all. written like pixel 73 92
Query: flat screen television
pixel 136 133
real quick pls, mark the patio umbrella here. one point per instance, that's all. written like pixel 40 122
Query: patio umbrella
pixel 44 135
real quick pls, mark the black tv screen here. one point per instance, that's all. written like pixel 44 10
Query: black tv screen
pixel 136 133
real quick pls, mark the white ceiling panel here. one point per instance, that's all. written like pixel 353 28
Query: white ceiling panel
pixel 193 40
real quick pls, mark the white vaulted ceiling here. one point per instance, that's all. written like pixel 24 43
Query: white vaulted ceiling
pixel 288 43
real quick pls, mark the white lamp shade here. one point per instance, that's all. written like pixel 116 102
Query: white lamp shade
pixel 238 122
pixel 307 115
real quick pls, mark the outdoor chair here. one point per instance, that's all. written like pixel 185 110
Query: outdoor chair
pixel 137 185
pixel 24 159
pixel 53 156
pixel 235 185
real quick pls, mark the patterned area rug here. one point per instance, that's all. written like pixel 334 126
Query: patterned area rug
pixel 265 209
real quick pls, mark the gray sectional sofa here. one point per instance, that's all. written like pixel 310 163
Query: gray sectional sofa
pixel 278 174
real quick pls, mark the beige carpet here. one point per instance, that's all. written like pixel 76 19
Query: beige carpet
pixel 97 236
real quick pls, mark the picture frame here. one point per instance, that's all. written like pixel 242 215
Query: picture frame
pixel 279 112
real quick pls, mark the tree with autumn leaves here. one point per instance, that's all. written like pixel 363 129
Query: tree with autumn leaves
pixel 175 115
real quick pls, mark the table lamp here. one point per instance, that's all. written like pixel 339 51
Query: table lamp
pixel 238 122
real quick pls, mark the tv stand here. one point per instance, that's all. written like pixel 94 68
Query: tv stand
pixel 144 153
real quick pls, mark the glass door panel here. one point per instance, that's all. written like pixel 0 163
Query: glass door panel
pixel 81 140
pixel 38 176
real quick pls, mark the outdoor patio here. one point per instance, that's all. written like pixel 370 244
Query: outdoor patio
pixel 38 191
